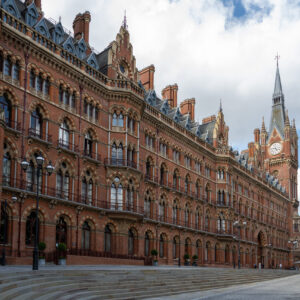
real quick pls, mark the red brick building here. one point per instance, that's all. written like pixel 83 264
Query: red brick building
pixel 132 171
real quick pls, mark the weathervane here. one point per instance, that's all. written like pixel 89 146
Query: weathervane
pixel 277 57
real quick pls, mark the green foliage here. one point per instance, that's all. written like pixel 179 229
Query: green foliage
pixel 186 256
pixel 42 246
pixel 154 252
pixel 195 257
pixel 62 247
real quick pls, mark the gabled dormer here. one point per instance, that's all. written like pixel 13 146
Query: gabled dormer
pixel 58 33
pixel 31 14
pixel 69 46
pixel 165 107
pixel 11 7
pixel 42 28
pixel 81 48
pixel 92 61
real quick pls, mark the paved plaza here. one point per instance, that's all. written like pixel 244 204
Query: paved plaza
pixel 135 282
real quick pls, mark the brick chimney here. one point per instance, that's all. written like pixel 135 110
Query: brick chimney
pixel 251 150
pixel 38 4
pixel 188 106
pixel 147 77
pixel 81 26
pixel 170 93
pixel 209 119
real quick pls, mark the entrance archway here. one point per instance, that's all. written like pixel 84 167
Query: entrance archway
pixel 261 241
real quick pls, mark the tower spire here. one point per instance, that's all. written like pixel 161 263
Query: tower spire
pixel 263 127
pixel 277 87
pixel 124 23
pixel 221 109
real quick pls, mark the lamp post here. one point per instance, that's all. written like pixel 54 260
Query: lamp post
pixel 179 227
pixel 239 226
pixel 270 245
pixel 294 244
pixel 40 161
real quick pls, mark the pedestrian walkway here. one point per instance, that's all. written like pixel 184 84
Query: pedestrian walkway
pixel 121 282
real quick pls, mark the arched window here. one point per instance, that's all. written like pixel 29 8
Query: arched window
pixel 32 79
pixel 36 123
pixel 7 66
pixel 61 231
pixel 64 134
pixel 114 119
pixel 47 86
pixel 206 223
pixel 120 120
pixel 199 250
pixel 5 104
pixel 62 182
pixel 186 216
pixel 6 166
pixel 39 83
pixel 3 224
pixel 86 236
pixel 148 168
pixel 227 254
pixel 61 94
pixel 107 239
pixel 175 213
pixel 116 195
pixel 197 220
pixel 186 184
pixel 30 176
pixel 130 242
pixel 147 244
pixel 120 152
pixel 88 144
pixel 130 193
pixel 162 210
pixel 175 247
pixel 16 71
pixel 161 246
pixel 66 97
pixel 31 229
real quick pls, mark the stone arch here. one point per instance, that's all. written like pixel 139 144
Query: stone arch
pixel 93 133
pixel 12 147
pixel 70 167
pixel 69 120
pixel 43 109
pixel 11 95
pixel 69 217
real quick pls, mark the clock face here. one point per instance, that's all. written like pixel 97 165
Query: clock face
pixel 275 148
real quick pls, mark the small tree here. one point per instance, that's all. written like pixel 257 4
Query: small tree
pixel 62 248
pixel 186 256
pixel 42 247
pixel 154 253
pixel 195 257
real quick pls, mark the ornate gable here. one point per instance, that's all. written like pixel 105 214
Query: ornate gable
pixel 31 14
pixel 42 28
pixel 11 7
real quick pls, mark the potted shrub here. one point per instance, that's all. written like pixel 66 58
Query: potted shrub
pixel 62 248
pixel 186 258
pixel 154 254
pixel 42 247
pixel 195 260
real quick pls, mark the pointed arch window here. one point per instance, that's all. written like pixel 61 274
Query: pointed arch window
pixel 6 106
pixel 64 134
pixel 6 167
pixel 162 210
pixel 31 177
pixel 3 224
pixel 120 152
pixel 39 83
pixel 62 183
pixel 115 119
pixel 16 71
pixel 161 246
pixel 32 79
pixel 175 213
pixel 107 239
pixel 31 229
pixel 86 236
pixel 36 122
pixel 61 231
pixel 116 195
pixel 88 144
pixel 130 194
pixel 7 66
pixel 147 244
pixel 130 242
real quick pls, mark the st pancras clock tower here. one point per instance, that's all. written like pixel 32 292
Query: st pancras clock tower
pixel 280 144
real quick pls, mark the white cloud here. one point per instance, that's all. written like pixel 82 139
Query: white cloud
pixel 190 43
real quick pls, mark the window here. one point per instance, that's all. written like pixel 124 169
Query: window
pixel 147 205
pixel 207 171
pixel 221 174
pixel 130 242
pixel 36 121
pixel 117 154
pixel 7 66
pixel 147 244
pixel 186 216
pixel 6 166
pixel 16 71
pixel 198 167
pixel 161 211
pixel 87 190
pixel 149 141
pixel 39 83
pixel 88 144
pixel 31 229
pixel 62 182
pixel 116 195
pixel 175 213
pixel 176 155
pixel 221 198
pixel 3 224
pixel 31 177
pixel 161 246
pixel 107 239
pixel 130 124
pixel 175 180
pixel 86 236
pixel 175 247
pixel 47 87
pixel 64 135
pixel 130 193
pixel 163 149
pixel 187 185
pixel 61 231
pixel 5 104
pixel 118 119
pixel 32 79
pixel 187 161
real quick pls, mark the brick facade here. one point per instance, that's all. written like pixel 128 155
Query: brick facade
pixel 128 178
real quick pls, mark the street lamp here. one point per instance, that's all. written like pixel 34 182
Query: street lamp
pixel 4 223
pixel 179 227
pixel 24 164
pixel 239 226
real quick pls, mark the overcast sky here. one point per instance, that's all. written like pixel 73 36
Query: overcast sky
pixel 213 49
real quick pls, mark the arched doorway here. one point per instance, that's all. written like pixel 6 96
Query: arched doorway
pixel 260 248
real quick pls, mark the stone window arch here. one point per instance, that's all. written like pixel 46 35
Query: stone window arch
pixel 62 230
pixel 147 204
pixel 87 187
pixel 86 236
pixel 65 134
pixel 176 245
pixel 63 186
pixel 162 208
pixel 176 212
pixel 6 106
pixel 6 165
pixel 176 179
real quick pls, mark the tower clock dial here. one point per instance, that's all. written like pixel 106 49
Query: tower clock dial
pixel 275 148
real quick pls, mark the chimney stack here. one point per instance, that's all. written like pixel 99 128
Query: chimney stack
pixel 81 26
pixel 38 4
pixel 251 150
pixel 147 77
pixel 208 119
pixel 170 93
pixel 188 106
